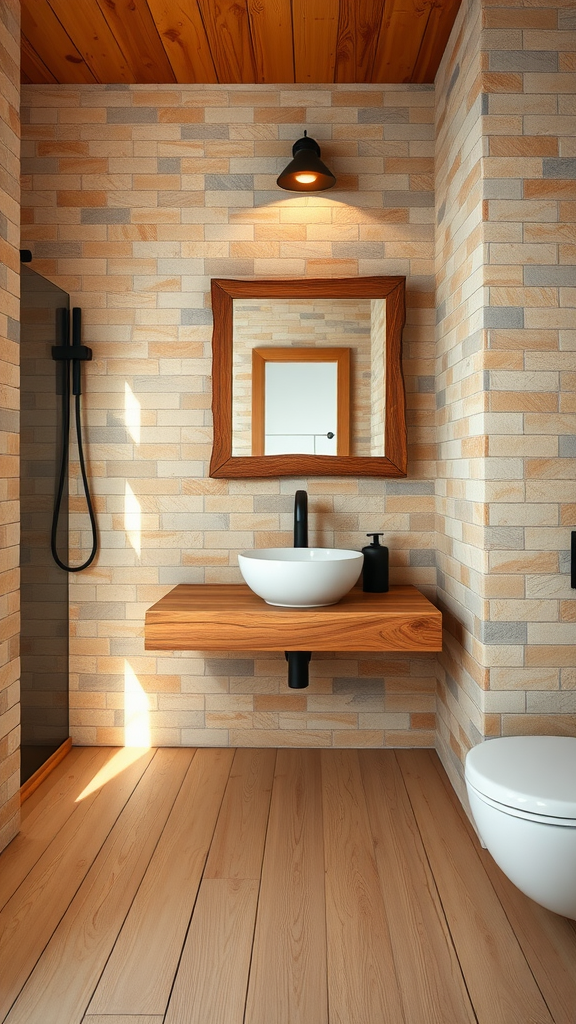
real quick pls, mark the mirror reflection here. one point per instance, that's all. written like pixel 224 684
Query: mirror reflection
pixel 304 369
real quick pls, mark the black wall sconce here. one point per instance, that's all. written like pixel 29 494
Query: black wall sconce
pixel 306 172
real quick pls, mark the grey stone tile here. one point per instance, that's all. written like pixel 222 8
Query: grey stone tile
pixel 454 78
pixel 10 420
pixel 485 103
pixel 410 487
pixel 273 502
pixel 452 686
pixel 169 165
pixel 177 197
pixel 406 199
pixel 97 215
pixel 440 311
pixel 57 250
pixel 486 382
pixel 354 684
pixel 131 115
pixel 89 682
pixel 229 666
pixel 567 446
pixel 189 317
pixel 103 610
pixel 13 329
pixel 559 167
pixel 426 385
pixel 422 556
pixel 543 276
pixel 441 398
pixel 504 316
pixel 502 188
pixel 229 182
pixel 3 226
pixel 523 60
pixel 171 576
pixel 204 131
pixel 504 538
pixel 441 212
pixel 473 343
pixel 567 20
pixel 383 115
pixel 358 250
pixel 228 268
pixel 39 165
pixel 504 632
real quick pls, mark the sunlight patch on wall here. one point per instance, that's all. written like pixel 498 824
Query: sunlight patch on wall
pixel 133 519
pixel 132 413
pixel 136 710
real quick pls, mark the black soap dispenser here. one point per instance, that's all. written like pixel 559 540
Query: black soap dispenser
pixel 375 569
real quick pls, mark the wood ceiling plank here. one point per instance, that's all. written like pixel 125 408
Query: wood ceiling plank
pixel 228 31
pixel 183 36
pixel 401 33
pixel 94 39
pixel 52 43
pixel 438 29
pixel 272 39
pixel 137 36
pixel 315 39
pixel 32 67
pixel 358 30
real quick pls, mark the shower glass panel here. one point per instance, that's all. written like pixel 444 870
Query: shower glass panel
pixel 44 587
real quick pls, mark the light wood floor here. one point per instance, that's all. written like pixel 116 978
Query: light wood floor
pixel 267 887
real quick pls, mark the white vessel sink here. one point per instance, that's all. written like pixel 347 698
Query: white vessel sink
pixel 300 577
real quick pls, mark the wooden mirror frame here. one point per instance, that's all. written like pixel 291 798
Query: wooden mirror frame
pixel 392 464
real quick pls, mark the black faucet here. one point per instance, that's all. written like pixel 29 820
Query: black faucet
pixel 301 519
pixel 298 661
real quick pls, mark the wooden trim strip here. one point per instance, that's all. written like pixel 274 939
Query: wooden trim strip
pixel 44 770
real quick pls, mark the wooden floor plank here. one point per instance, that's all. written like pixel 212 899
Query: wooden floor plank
pixel 140 972
pixel 29 919
pixel 122 1019
pixel 362 980
pixel 212 978
pixel 499 980
pixel 238 844
pixel 45 813
pixel 548 941
pixel 64 978
pixel 431 984
pixel 288 972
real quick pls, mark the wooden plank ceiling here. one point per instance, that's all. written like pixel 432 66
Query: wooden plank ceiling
pixel 234 41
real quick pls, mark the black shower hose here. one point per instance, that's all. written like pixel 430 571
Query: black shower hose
pixel 63 466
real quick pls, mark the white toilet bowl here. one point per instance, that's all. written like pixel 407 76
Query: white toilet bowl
pixel 522 792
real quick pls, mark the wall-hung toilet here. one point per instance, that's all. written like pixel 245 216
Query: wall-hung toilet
pixel 522 792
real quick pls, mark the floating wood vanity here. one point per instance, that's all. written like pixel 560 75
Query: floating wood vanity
pixel 229 617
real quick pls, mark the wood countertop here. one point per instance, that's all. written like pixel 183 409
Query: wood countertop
pixel 230 617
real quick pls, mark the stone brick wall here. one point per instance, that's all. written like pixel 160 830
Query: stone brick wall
pixel 9 362
pixel 133 199
pixel 506 247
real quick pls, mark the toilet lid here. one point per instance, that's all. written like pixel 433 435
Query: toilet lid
pixel 531 773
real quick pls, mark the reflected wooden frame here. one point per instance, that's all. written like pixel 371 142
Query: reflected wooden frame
pixel 392 464
pixel 340 356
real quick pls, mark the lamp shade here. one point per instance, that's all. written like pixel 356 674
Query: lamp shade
pixel 306 172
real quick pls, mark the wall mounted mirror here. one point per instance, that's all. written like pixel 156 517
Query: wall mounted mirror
pixel 307 378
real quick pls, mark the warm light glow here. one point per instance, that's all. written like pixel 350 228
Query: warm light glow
pixel 136 711
pixel 132 413
pixel 119 761
pixel 133 519
pixel 305 179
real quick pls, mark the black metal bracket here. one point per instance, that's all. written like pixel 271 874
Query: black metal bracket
pixel 71 352
pixel 298 662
